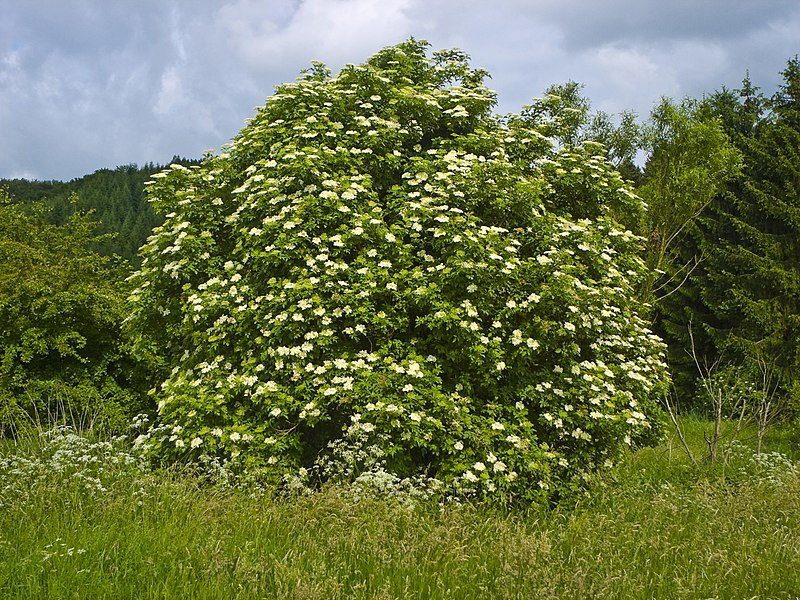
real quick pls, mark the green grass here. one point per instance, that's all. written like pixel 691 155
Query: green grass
pixel 654 527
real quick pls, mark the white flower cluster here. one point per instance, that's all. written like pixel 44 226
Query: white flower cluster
pixel 65 458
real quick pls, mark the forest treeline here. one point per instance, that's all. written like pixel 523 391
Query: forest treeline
pixel 114 197
pixel 721 240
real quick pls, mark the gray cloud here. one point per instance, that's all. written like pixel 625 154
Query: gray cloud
pixel 90 84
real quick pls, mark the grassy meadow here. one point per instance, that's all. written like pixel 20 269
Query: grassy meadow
pixel 80 518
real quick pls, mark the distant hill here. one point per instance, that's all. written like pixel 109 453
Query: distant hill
pixel 116 197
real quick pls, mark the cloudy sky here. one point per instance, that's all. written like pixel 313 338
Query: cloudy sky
pixel 89 84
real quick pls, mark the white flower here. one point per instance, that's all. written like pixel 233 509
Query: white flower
pixel 470 476
pixel 479 466
pixel 390 237
pixel 569 326
pixel 415 417
pixel 391 286
pixel 275 412
pixel 196 442
pixel 458 445
pixel 179 443
pixel 236 436
pixel 501 366
pixel 499 466
pixel 498 426
pixel 216 432
pixel 408 387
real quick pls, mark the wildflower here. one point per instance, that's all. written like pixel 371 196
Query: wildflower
pixel 458 445
pixel 479 466
pixel 415 417
pixel 196 442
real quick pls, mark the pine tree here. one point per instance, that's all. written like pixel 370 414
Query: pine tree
pixel 759 263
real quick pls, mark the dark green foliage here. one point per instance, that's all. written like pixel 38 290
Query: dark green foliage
pixel 61 308
pixel 743 300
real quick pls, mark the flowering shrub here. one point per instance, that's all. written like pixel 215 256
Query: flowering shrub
pixel 378 261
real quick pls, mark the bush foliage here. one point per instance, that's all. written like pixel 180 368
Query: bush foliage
pixel 63 354
pixel 378 274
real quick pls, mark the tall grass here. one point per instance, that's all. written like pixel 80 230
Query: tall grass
pixel 654 527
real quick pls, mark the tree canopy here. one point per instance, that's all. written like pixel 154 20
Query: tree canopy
pixel 743 300
pixel 61 312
